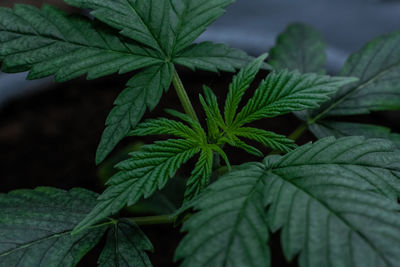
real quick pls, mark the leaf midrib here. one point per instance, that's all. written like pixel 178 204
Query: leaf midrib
pixel 55 39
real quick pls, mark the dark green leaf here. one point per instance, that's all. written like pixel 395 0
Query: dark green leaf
pixel 231 227
pixel 125 247
pixel 167 26
pixel 212 57
pixel 36 227
pixel 377 65
pixel 194 17
pixel 335 202
pixel 141 175
pixel 134 18
pixel 144 89
pixel 299 47
pixel 47 42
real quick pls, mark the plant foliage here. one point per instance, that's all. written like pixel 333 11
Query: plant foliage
pixel 155 35
pixel 376 66
pixel 37 224
pixel 125 246
pixel 334 201
pixel 150 169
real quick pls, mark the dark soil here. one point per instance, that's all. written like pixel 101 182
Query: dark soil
pixel 50 138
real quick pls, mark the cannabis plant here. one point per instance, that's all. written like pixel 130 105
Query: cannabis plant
pixel 334 201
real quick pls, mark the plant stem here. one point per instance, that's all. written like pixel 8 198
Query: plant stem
pixel 298 132
pixel 183 97
pixel 150 220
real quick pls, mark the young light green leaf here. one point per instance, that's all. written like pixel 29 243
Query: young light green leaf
pixel 144 89
pixel 238 87
pixel 164 126
pixel 47 42
pixel 212 124
pixel 342 129
pixel 268 139
pixel 211 107
pixel 235 141
pixel 125 247
pixel 230 228
pixel 141 175
pixel 36 227
pixel 300 47
pixel 212 57
pixel 201 173
pixel 283 92
pixel 335 202
pixel 196 126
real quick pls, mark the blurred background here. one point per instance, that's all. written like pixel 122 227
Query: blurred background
pixel 49 132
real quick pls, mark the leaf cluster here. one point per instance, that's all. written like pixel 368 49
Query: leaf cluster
pixel 150 169
pixel 335 201
pixel 126 35
pixel 351 219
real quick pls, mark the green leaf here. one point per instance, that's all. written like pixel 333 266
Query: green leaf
pixel 48 42
pixel 196 126
pixel 377 65
pixel 283 92
pixel 341 129
pixel 231 129
pixel 300 47
pixel 163 126
pixel 235 141
pixel 194 17
pixel 335 202
pixel 166 26
pixel 201 173
pixel 36 227
pixel 230 228
pixel 141 175
pixel 212 124
pixel 144 89
pixel 266 138
pixel 132 18
pixel 212 57
pixel 125 246
pixel 211 107
pixel 238 87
